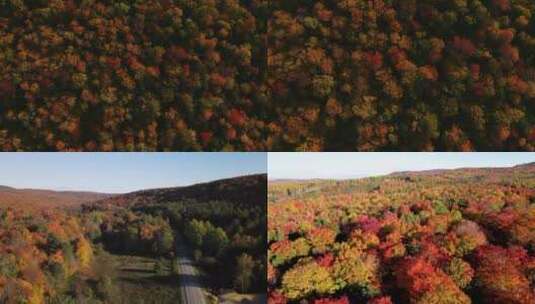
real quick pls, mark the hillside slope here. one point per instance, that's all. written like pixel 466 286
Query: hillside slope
pixel 292 189
pixel 36 198
pixel 223 224
pixel 244 190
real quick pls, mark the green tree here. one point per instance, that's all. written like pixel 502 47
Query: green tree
pixel 131 239
pixel 8 266
pixel 53 243
pixel 164 242
pixel 215 241
pixel 195 231
pixel 244 273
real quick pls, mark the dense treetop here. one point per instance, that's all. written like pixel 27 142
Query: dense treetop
pixel 39 250
pixel 460 236
pixel 244 75
pixel 403 74
pixel 131 75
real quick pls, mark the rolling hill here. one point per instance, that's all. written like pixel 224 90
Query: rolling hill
pixel 218 222
pixel 97 248
pixel 523 174
pixel 528 168
pixel 38 198
pixel 244 190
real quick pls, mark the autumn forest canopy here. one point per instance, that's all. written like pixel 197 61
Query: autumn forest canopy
pixel 131 75
pixel 433 237
pixel 403 74
pixel 267 75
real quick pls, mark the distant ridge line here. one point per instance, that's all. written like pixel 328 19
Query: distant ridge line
pixel 397 174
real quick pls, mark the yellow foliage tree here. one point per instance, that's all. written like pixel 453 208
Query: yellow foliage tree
pixel 84 253
pixel 307 278
pixel 26 292
pixel 357 269
pixel 37 295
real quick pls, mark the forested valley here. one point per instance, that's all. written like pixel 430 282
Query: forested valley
pixel 126 248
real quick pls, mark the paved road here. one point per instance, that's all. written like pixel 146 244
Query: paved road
pixel 190 283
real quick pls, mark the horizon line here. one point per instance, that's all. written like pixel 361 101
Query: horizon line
pixel 132 191
pixel 363 176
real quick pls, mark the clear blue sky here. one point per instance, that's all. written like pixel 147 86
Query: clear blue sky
pixel 123 172
pixel 354 165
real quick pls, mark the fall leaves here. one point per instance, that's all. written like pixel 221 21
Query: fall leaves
pixel 242 75
pixel 501 274
pixel 457 237
pixel 98 76
pixel 442 76
pixel 37 249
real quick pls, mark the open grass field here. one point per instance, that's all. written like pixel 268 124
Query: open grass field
pixel 136 281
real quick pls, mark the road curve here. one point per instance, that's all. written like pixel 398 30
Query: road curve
pixel 191 290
